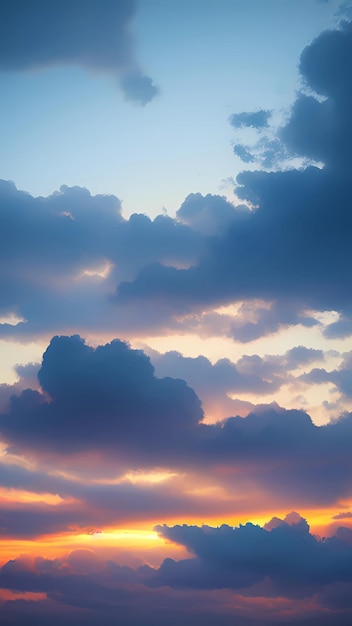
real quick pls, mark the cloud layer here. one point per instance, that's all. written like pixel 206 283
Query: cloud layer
pixel 294 247
pixel 106 403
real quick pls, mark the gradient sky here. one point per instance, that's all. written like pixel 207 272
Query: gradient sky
pixel 175 312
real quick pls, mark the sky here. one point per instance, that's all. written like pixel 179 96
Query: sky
pixel 175 312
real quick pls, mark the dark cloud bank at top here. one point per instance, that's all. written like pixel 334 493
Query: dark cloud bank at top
pixel 292 250
pixel 295 246
pixel 94 34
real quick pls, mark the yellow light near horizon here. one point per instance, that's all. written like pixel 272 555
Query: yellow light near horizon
pixel 102 271
pixel 21 496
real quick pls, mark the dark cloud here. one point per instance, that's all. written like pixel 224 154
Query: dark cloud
pixel 138 88
pixel 322 130
pixel 340 377
pixel 279 252
pixel 248 574
pixel 343 515
pixel 48 243
pixel 90 33
pixel 340 329
pixel 275 254
pixel 255 119
pixel 105 396
pixel 284 552
pixel 107 401
pixel 210 214
pixel 213 253
pixel 297 562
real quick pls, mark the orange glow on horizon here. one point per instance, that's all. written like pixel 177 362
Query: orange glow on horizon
pixel 141 539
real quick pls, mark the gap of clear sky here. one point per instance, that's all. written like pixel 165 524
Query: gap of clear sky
pixel 175 312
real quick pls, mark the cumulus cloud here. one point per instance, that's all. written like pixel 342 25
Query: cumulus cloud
pixel 255 119
pixel 340 377
pixel 210 214
pixel 279 252
pixel 249 574
pixel 340 329
pixel 284 552
pixel 62 255
pixel 108 402
pixel 138 87
pixel 217 384
pixel 104 396
pixel 243 153
pixel 92 34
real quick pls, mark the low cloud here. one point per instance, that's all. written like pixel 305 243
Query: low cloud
pixel 296 562
pixel 278 252
pixel 91 34
pixel 87 387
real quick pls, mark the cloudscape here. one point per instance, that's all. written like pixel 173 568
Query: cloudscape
pixel 175 312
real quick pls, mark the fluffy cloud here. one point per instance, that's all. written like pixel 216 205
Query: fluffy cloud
pixel 318 129
pixel 102 398
pixel 108 402
pixel 270 575
pixel 279 250
pixel 62 255
pixel 94 35
pixel 217 384
pixel 296 562
pixel 340 377
pixel 72 252
pixel 256 119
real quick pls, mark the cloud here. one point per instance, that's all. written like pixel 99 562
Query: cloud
pixel 249 574
pixel 62 255
pixel 210 215
pixel 106 403
pixel 275 254
pixel 243 153
pixel 255 119
pixel 87 388
pixel 138 88
pixel 340 329
pixel 343 515
pixel 91 34
pixel 82 504
pixel 296 562
pixel 217 384
pixel 279 251
pixel 340 377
